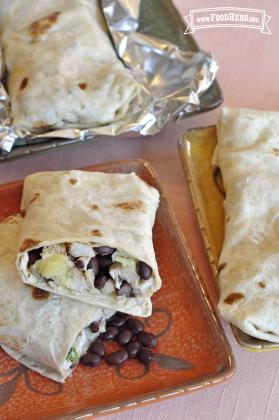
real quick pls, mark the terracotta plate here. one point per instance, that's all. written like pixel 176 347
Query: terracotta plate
pixel 196 150
pixel 192 352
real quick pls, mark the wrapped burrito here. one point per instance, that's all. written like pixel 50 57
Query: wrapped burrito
pixel 248 155
pixel 62 68
pixel 88 236
pixel 46 332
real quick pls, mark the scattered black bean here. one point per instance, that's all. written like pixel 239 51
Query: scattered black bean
pixel 124 337
pixel 116 321
pixel 34 255
pixel 125 290
pixel 145 356
pixel 97 347
pixel 104 250
pixel 79 264
pixel 105 261
pixel 94 327
pixel 109 334
pixel 100 281
pixel 133 348
pixel 117 357
pixel 92 360
pixel 94 264
pixel 148 339
pixel 135 325
pixel 143 270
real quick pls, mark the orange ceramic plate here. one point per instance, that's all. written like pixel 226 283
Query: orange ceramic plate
pixel 192 353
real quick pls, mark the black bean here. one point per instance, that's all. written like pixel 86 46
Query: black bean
pixel 104 250
pixel 116 321
pixel 94 327
pixel 34 255
pixel 145 356
pixel 117 357
pixel 143 270
pixel 109 334
pixel 135 325
pixel 79 264
pixel 124 337
pixel 133 348
pixel 100 281
pixel 105 261
pixel 97 347
pixel 92 360
pixel 148 339
pixel 125 290
pixel 94 264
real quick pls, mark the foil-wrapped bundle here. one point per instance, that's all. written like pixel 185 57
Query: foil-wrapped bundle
pixel 167 80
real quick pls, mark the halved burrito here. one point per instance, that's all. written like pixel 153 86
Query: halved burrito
pixel 46 332
pixel 248 155
pixel 62 68
pixel 88 235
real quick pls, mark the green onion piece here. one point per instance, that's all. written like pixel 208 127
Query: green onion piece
pixel 72 355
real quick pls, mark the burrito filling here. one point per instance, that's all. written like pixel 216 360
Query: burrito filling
pixel 83 268
pixel 81 345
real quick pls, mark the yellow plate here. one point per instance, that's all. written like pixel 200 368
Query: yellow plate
pixel 196 149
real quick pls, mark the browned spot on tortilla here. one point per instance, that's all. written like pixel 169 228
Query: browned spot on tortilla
pixel 41 125
pixel 233 297
pixel 96 232
pixel 272 332
pixel 131 205
pixel 28 243
pixel 94 207
pixel 83 85
pixel 275 152
pixel 218 181
pixel 41 26
pixel 221 266
pixel 23 213
pixel 23 84
pixel 34 198
pixel 261 284
pixel 73 181
pixel 228 219
pixel 39 293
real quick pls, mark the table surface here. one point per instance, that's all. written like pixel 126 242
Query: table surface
pixel 247 60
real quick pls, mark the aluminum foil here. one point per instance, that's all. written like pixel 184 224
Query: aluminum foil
pixel 172 81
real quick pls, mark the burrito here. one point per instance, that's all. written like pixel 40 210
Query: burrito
pixel 248 155
pixel 45 332
pixel 62 68
pixel 88 236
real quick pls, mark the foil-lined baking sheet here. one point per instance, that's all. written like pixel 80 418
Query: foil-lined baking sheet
pixel 174 77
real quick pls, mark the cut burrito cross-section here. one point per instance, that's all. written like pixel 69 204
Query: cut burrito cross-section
pixel 88 235
pixel 46 332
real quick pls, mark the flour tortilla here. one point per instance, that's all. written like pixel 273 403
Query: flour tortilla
pixel 100 209
pixel 62 68
pixel 39 333
pixel 248 155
